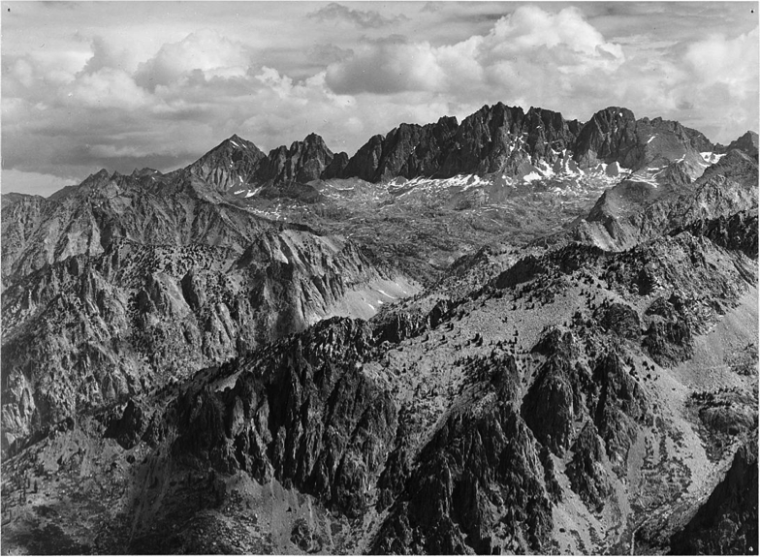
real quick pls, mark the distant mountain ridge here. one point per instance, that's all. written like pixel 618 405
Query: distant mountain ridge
pixel 495 139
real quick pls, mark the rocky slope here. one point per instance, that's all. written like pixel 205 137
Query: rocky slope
pixel 127 282
pixel 634 211
pixel 147 208
pixel 423 435
pixel 21 217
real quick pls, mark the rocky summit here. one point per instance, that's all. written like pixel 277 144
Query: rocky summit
pixel 512 334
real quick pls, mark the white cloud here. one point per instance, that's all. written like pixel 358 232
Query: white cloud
pixel 733 62
pixel 106 88
pixel 23 71
pixel 106 54
pixel 206 51
pixel 527 50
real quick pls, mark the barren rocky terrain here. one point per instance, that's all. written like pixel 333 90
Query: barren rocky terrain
pixel 515 334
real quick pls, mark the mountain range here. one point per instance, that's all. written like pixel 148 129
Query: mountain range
pixel 496 139
pixel 514 334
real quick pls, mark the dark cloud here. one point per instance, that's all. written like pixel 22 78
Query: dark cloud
pixel 360 18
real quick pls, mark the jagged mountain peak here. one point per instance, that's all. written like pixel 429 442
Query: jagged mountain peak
pixel 499 111
pixel 93 181
pixel 303 162
pixel 316 140
pixel 230 164
pixel 449 121
pixel 751 136
pixel 312 143
pixel 99 175
pixel 609 137
pixel 237 141
pixel 233 148
pixel 538 143
pixel 545 114
pixel 496 139
pixel 747 143
pixel 612 114
pixel 146 171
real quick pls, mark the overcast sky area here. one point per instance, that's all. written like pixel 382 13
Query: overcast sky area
pixel 125 85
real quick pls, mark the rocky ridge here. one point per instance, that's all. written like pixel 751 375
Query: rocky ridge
pixel 126 283
pixel 494 140
pixel 634 211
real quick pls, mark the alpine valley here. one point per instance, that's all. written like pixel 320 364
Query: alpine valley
pixel 512 334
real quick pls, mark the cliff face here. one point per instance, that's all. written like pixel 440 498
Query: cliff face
pixel 494 139
pixel 610 136
pixel 407 151
pixel 303 413
pixel 303 162
pixel 478 485
pixel 503 139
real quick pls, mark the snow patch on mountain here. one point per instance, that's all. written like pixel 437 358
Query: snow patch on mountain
pixel 711 158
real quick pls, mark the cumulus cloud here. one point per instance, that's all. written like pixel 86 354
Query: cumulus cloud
pixel 106 55
pixel 565 38
pixel 523 50
pixel 335 12
pixel 204 51
pixel 106 88
pixel 727 73
pixel 733 62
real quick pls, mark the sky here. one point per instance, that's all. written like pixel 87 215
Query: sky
pixel 125 85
